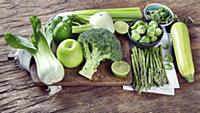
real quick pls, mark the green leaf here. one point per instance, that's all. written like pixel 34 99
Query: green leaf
pixel 36 26
pixel 19 42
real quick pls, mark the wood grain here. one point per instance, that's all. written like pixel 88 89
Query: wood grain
pixel 19 94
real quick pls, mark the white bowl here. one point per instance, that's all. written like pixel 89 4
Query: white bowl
pixel 156 6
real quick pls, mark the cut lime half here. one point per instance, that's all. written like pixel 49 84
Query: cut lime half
pixel 121 27
pixel 120 68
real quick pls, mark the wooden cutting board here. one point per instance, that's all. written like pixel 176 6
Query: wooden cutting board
pixel 103 76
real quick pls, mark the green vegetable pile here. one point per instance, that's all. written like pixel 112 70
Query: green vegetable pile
pixel 148 68
pixel 145 33
pixel 98 45
pixel 160 15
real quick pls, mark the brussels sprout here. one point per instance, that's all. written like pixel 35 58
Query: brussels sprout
pixel 154 38
pixel 143 39
pixel 133 31
pixel 135 36
pixel 158 31
pixel 147 40
pixel 141 29
pixel 139 22
pixel 150 31
pixel 153 24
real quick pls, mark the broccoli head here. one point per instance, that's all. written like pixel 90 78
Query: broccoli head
pixel 98 45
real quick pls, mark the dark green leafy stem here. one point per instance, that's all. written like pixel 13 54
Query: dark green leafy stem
pixel 160 15
pixel 148 68
pixel 19 42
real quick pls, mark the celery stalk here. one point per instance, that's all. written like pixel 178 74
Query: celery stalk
pixel 124 14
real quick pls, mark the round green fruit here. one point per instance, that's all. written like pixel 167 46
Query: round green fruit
pixel 69 53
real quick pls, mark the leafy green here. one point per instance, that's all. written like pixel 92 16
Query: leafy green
pixel 160 15
pixel 49 69
pixel 19 42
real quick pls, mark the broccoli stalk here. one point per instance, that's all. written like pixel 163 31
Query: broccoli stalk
pixel 98 45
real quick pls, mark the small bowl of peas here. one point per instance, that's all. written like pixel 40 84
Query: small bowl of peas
pixel 145 33
pixel 159 13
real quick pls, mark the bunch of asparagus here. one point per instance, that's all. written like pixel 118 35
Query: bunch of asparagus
pixel 148 68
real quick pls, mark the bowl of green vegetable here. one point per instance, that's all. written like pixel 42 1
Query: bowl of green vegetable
pixel 145 33
pixel 159 13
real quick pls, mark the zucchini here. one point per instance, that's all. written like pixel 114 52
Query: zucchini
pixel 182 49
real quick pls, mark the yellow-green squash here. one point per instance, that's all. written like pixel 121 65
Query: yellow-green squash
pixel 182 49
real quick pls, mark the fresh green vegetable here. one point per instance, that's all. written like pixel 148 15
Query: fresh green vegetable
pixel 62 31
pixel 160 15
pixel 120 68
pixel 95 18
pixel 49 69
pixel 182 49
pixel 102 20
pixel 138 23
pixel 63 27
pixel 144 32
pixel 141 29
pixel 153 24
pixel 151 31
pixel 118 14
pixel 135 36
pixel 98 45
pixel 121 27
pixel 148 68
pixel 147 40
pixel 158 32
pixel 143 39
pixel 154 38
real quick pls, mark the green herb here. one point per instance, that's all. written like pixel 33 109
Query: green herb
pixel 160 15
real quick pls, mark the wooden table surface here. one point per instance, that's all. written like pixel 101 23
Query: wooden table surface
pixel 19 94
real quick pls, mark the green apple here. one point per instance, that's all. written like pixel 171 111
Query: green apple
pixel 69 53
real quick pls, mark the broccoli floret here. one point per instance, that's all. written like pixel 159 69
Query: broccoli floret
pixel 98 45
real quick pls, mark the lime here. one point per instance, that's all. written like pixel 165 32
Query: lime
pixel 120 68
pixel 121 27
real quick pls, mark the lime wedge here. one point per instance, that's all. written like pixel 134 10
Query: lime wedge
pixel 120 68
pixel 121 27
